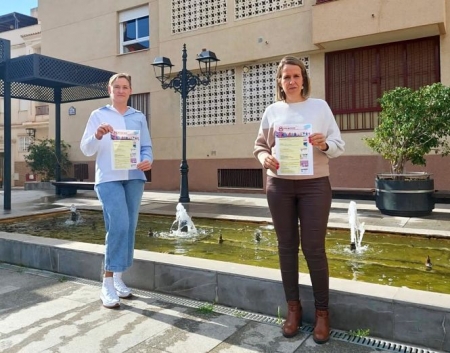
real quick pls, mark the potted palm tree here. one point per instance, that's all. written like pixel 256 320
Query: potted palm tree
pixel 413 123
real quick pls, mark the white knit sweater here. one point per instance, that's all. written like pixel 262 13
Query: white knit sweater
pixel 313 111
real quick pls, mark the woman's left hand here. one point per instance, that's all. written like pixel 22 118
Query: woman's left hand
pixel 144 165
pixel 318 140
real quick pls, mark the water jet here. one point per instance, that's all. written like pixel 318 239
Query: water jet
pixel 387 259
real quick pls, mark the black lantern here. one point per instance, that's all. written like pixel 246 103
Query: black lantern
pixel 184 82
pixel 164 65
pixel 205 59
pixel 31 132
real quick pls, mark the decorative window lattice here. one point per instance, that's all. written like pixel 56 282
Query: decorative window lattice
pixel 189 15
pixel 251 8
pixel 213 104
pixel 259 89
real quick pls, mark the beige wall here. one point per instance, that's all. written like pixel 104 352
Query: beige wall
pixel 237 42
pixel 90 37
pixel 345 23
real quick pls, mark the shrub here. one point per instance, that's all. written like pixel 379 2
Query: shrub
pixel 412 124
pixel 42 158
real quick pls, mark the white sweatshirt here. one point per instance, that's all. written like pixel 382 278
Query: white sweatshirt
pixel 132 120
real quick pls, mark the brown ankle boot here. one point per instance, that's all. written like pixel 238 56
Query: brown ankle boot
pixel 293 319
pixel 322 327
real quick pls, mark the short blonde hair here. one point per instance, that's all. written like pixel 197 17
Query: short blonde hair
pixel 291 60
pixel 119 75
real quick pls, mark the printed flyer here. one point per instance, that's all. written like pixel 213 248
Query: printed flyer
pixel 292 149
pixel 126 147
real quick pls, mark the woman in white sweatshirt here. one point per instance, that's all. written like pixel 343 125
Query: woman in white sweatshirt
pixel 298 187
pixel 118 189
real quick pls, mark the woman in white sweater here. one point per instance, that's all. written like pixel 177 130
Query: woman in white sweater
pixel 298 187
pixel 118 189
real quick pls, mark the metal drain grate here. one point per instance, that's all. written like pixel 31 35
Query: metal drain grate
pixel 378 344
pixel 371 342
pixel 215 308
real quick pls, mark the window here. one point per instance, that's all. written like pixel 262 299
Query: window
pixel 356 78
pixel 42 110
pixel 134 30
pixel 141 102
pixel 24 105
pixel 24 142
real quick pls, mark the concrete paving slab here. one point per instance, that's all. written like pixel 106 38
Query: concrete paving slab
pixel 47 312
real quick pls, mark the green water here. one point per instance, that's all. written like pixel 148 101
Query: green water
pixel 388 259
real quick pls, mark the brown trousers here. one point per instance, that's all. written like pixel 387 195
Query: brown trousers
pixel 309 201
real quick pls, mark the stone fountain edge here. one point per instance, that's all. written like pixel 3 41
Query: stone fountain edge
pixel 391 313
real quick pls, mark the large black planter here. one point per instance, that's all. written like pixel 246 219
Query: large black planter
pixel 408 195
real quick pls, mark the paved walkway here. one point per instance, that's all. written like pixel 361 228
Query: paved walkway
pixel 47 312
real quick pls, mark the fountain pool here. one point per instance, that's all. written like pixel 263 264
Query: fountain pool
pixel 395 260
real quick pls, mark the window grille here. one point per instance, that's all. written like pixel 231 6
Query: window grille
pixel 251 8
pixel 213 104
pixel 24 142
pixel 356 78
pixel 141 102
pixel 42 109
pixel 240 178
pixel 189 15
pixel 357 121
pixel 81 171
pixel 259 89
pixel 134 30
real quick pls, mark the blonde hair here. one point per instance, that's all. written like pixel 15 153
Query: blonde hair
pixel 119 75
pixel 291 60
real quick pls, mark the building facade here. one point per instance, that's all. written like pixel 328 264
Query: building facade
pixel 29 120
pixel 353 53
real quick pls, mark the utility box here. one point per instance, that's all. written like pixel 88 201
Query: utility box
pixel 81 171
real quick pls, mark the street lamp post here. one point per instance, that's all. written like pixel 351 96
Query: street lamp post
pixel 184 82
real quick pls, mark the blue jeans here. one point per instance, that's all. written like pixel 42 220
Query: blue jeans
pixel 120 202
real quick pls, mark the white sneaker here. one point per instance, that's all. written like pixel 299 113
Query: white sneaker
pixel 109 296
pixel 121 289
